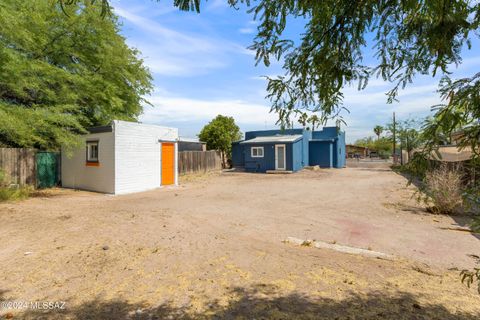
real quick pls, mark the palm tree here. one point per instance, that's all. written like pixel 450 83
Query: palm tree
pixel 378 131
pixel 302 119
pixel 314 120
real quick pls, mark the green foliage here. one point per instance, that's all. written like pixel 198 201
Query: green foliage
pixel 383 145
pixel 408 133
pixel 219 134
pixel 314 120
pixel 10 192
pixel 378 130
pixel 303 119
pixel 469 277
pixel 64 69
pixel 460 112
pixel 410 37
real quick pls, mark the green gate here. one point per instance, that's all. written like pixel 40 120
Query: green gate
pixel 47 169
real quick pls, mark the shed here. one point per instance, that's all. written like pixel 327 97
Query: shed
pixel 123 157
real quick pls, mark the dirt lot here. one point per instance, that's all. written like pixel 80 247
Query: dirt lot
pixel 212 248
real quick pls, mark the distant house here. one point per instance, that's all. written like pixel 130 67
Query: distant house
pixel 289 150
pixel 191 144
pixel 123 157
pixel 353 149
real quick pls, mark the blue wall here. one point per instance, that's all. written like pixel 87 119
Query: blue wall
pixel 307 136
pixel 340 154
pixel 238 157
pixel 321 154
pixel 297 155
pixel 336 150
pixel 326 133
pixel 268 160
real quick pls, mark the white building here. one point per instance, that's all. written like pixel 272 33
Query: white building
pixel 123 157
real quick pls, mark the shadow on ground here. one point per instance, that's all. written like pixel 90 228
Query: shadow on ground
pixel 263 302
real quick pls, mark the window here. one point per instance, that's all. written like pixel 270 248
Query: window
pixel 257 152
pixel 92 151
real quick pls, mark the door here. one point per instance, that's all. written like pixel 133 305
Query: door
pixel 168 163
pixel 280 157
pixel 47 169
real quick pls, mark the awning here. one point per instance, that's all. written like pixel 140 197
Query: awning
pixel 274 139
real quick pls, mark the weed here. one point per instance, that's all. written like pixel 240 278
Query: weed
pixel 444 188
pixel 10 191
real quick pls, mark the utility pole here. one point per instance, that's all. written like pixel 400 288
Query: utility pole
pixel 408 150
pixel 394 140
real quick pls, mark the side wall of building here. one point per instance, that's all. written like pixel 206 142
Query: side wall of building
pixel 238 156
pixel 138 155
pixel 297 155
pixel 75 172
pixel 341 151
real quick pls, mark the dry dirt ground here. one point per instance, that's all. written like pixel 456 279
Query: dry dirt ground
pixel 212 249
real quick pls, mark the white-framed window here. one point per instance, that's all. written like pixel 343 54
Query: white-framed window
pixel 257 152
pixel 92 151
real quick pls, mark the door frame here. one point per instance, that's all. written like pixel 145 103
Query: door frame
pixel 284 157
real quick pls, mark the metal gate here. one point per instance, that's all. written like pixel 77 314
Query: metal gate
pixel 47 169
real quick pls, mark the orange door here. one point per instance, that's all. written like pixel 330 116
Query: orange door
pixel 168 163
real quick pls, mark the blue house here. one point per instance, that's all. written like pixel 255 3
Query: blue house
pixel 289 150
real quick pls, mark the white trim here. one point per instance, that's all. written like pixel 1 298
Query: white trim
pixel 258 149
pixel 176 163
pixel 284 157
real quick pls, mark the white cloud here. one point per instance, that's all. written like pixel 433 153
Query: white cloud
pixel 246 30
pixel 170 52
pixel 177 109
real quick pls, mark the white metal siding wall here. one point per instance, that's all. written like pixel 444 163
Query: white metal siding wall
pixel 75 174
pixel 138 155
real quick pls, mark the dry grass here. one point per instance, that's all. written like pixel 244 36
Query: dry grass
pixel 445 190
pixel 10 191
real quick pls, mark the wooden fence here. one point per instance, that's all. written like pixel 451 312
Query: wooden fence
pixel 18 165
pixel 198 161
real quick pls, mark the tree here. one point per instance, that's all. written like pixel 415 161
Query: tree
pixel 219 135
pixel 378 131
pixel 303 119
pixel 314 120
pixel 409 133
pixel 383 145
pixel 62 71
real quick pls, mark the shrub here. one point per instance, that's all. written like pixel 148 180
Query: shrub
pixel 444 188
pixel 12 192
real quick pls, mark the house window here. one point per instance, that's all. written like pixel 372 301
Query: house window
pixel 92 151
pixel 257 152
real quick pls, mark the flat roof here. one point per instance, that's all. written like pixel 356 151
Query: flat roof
pixel 100 129
pixel 275 138
pixel 195 140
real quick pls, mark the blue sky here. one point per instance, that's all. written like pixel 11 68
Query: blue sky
pixel 202 67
